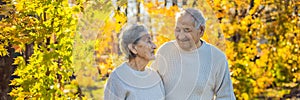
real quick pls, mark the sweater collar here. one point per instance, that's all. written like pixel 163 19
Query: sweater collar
pixel 139 79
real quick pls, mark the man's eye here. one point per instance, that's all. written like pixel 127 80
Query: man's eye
pixel 187 30
pixel 177 30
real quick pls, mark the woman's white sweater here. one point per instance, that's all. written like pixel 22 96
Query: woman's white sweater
pixel 125 83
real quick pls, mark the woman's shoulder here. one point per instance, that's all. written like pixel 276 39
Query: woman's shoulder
pixel 151 70
pixel 146 79
pixel 114 73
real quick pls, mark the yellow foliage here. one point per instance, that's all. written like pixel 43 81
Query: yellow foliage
pixel 106 40
pixel 261 42
pixel 262 45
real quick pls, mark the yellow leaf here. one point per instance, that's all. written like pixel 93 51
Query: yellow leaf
pixel 245 96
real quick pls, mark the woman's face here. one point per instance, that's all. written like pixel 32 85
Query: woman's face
pixel 145 47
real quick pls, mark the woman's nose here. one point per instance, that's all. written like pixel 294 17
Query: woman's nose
pixel 153 46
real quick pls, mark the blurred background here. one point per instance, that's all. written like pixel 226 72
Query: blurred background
pixel 66 49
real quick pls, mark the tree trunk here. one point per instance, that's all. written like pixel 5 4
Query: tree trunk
pixel 138 15
pixel 195 3
pixel 174 2
pixel 6 70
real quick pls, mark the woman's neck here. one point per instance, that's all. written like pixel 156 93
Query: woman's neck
pixel 138 63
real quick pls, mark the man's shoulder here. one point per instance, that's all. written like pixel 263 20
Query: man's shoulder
pixel 216 52
pixel 167 46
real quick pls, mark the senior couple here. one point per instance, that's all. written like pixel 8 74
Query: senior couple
pixel 187 68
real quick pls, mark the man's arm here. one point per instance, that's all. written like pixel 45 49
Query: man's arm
pixel 224 88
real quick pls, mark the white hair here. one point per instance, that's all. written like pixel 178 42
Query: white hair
pixel 196 14
pixel 130 35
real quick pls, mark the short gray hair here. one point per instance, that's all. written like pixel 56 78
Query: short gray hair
pixel 130 35
pixel 196 14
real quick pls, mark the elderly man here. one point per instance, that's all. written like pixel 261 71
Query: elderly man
pixel 191 68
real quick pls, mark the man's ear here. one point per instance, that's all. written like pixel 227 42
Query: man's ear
pixel 132 48
pixel 201 30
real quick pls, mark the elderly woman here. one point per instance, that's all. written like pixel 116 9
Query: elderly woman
pixel 132 80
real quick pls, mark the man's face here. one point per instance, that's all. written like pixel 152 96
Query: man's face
pixel 187 36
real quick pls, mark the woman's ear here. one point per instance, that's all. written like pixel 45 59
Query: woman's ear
pixel 132 48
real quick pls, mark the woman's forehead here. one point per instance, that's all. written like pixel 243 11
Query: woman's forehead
pixel 146 36
pixel 143 35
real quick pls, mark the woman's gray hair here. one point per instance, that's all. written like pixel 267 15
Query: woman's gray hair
pixel 196 14
pixel 130 35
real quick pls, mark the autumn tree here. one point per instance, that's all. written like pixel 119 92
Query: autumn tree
pixel 42 32
pixel 262 46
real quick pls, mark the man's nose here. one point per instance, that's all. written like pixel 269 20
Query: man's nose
pixel 181 36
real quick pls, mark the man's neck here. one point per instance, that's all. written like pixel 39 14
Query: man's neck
pixel 198 45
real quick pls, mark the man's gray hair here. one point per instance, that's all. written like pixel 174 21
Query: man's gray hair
pixel 130 35
pixel 196 14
